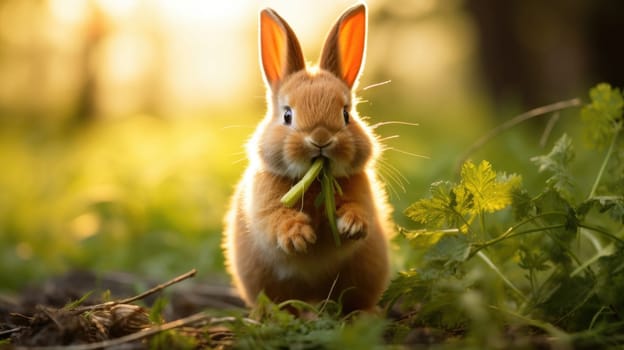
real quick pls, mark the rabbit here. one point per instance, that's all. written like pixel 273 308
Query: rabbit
pixel 289 253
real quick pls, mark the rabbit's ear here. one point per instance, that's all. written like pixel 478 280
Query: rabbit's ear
pixel 343 52
pixel 280 52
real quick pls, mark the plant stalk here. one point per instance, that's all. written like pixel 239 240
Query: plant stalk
pixel 603 167
pixel 491 264
pixel 483 245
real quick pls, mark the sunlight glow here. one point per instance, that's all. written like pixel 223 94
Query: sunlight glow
pixel 125 58
pixel 69 11
pixel 85 225
pixel 213 13
pixel 118 8
pixel 183 57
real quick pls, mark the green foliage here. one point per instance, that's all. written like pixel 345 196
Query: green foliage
pixel 558 259
pixel 603 115
pixel 439 210
pixel 76 303
pixel 610 281
pixel 557 162
pixel 172 339
pixel 157 309
pixel 142 195
pixel 451 205
pixel 317 327
pixel 489 192
pixel 611 205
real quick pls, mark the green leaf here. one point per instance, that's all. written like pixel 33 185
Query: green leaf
pixel 406 283
pixel 611 280
pixel 279 328
pixel 570 301
pixel 265 310
pixel 603 114
pixel 157 310
pixel 557 212
pixel 613 206
pixel 613 182
pixel 481 190
pixel 439 211
pixel 551 201
pixel 172 339
pixel 425 238
pixel 557 162
pixel 450 248
pixel 489 191
pixel 532 259
pixel 365 332
pixel 74 304
pixel 522 204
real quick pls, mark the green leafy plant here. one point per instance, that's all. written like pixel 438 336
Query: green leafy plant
pixel 317 327
pixel 492 253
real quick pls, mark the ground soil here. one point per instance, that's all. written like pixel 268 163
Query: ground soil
pixel 42 314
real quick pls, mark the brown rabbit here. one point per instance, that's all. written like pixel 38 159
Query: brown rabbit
pixel 289 253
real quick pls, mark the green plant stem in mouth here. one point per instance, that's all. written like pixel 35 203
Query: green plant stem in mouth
pixel 329 188
pixel 296 192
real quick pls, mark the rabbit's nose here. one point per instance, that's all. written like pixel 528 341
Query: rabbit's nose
pixel 321 145
pixel 320 138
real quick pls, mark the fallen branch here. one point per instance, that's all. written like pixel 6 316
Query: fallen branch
pixel 199 317
pixel 96 326
pixel 10 331
pixel 145 294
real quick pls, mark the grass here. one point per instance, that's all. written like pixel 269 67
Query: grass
pixel 136 195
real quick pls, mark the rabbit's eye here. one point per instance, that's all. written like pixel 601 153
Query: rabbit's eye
pixel 345 114
pixel 287 115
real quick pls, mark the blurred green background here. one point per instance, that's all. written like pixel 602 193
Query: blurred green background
pixel 123 122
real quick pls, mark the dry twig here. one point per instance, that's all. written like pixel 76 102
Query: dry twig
pixel 145 294
pixel 102 325
pixel 199 317
pixel 536 112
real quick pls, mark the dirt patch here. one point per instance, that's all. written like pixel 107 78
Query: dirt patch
pixel 71 311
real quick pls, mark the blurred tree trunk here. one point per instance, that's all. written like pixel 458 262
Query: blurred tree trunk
pixel 86 101
pixel 536 52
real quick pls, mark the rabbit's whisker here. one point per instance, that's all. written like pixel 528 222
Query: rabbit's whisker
pixel 374 85
pixel 407 153
pixel 396 122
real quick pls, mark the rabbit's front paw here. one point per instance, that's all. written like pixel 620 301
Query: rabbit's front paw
pixel 352 221
pixel 294 233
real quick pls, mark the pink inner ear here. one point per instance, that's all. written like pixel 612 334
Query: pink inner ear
pixel 272 47
pixel 351 43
